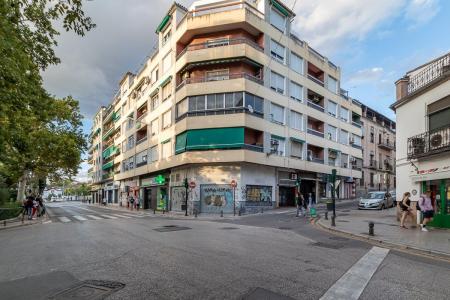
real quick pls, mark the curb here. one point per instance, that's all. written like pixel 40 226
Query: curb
pixel 395 246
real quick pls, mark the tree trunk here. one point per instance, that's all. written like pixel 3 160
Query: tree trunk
pixel 21 187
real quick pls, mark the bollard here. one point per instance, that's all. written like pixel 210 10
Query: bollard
pixel 221 213
pixel 239 212
pixel 333 221
pixel 371 228
pixel 262 210
pixel 297 212
pixel 195 213
pixel 326 215
pixel 154 211
pixel 164 211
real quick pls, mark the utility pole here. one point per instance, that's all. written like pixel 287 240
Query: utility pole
pixel 333 197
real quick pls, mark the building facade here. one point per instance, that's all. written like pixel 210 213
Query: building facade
pixel 231 94
pixel 95 159
pixel 423 135
pixel 378 143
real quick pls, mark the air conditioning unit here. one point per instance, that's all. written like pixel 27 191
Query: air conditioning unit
pixel 436 140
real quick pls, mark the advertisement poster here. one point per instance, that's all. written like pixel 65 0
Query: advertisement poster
pixel 216 197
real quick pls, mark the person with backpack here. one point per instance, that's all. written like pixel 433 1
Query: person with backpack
pixel 426 206
pixel 405 206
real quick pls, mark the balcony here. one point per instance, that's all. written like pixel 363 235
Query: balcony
pixel 356 120
pixel 315 74
pixel 429 143
pixel 214 43
pixel 432 72
pixel 386 145
pixel 248 76
pixel 141 112
pixel 316 101
pixel 315 154
pixel 372 164
pixel 316 127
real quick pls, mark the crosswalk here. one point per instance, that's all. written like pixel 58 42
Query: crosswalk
pixel 91 217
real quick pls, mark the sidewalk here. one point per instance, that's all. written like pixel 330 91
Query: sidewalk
pixel 17 222
pixel 387 230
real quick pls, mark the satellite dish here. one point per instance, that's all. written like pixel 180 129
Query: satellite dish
pixel 250 108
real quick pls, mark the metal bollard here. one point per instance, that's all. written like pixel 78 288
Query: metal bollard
pixel 154 211
pixel 333 221
pixel 262 210
pixel 239 213
pixel 221 213
pixel 326 215
pixel 371 228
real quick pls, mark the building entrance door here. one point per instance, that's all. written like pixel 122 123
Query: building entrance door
pixel 287 196
pixel 147 197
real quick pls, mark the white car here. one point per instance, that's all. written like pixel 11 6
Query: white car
pixel 376 200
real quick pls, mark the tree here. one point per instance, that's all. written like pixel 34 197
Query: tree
pixel 40 135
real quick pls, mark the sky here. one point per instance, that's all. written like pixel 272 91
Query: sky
pixel 374 42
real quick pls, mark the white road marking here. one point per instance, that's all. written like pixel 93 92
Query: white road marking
pixel 87 209
pixel 131 215
pixel 47 222
pixel 122 216
pixel 109 217
pixel 80 218
pixel 94 217
pixel 64 219
pixel 354 281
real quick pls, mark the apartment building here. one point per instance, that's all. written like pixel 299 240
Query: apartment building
pixel 231 94
pixel 423 135
pixel 378 143
pixel 94 159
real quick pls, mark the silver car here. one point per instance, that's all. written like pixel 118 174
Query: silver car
pixel 376 200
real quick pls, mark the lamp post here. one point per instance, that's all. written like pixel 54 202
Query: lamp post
pixel 333 198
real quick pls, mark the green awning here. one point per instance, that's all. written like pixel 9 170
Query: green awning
pixel 280 8
pixel 154 92
pixel 165 141
pixel 337 151
pixel 215 138
pixel 180 142
pixel 116 116
pixel 162 24
pixel 166 81
pixel 297 140
pixel 108 165
pixel 278 137
pixel 108 133
pixel 111 150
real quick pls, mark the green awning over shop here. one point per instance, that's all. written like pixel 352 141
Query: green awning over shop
pixel 180 142
pixel 163 23
pixel 214 138
pixel 280 8
pixel 297 140
pixel 108 165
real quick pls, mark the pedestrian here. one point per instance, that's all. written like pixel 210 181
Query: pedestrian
pixel 405 206
pixel 301 205
pixel 427 209
pixel 131 202
pixel 29 206
pixel 138 202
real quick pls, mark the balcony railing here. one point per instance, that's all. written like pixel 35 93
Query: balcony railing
pixel 220 43
pixel 428 143
pixel 316 160
pixel 432 72
pixel 372 164
pixel 315 106
pixel 316 80
pixel 386 145
pixel 223 77
pixel 356 124
pixel 315 132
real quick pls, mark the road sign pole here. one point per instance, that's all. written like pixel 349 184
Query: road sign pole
pixel 186 186
pixel 234 201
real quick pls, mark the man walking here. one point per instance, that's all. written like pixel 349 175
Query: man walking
pixel 426 206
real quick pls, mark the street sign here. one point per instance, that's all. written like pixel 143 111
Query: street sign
pixel 192 184
pixel 293 176
pixel 160 179
pixel 233 183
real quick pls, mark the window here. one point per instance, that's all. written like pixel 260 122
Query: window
pixel 296 120
pixel 124 146
pixel 154 127
pixel 332 85
pixel 154 102
pixel 215 101
pixel 371 179
pixel 166 37
pixel 277 145
pixel 277 20
pixel 217 75
pixel 197 103
pixel 439 119
pixel 277 51
pixel 277 113
pixel 167 91
pixel 331 133
pixel 167 62
pixel 296 149
pixel 344 160
pixel 277 82
pixel 153 153
pixel 217 42
pixel 372 134
pixel 128 164
pixel 130 122
pixel 124 108
pixel 332 108
pixel 166 119
pixel 154 77
pixel 254 102
pixel 296 63
pixel 141 158
pixel 166 149
pixel 356 140
pixel 130 142
pixel 296 91
pixel 343 137
pixel 343 113
pixel 182 107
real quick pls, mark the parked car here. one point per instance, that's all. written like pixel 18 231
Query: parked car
pixel 376 200
pixel 394 198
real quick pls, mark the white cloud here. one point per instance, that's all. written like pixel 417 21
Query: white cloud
pixel 421 11
pixel 366 76
pixel 82 175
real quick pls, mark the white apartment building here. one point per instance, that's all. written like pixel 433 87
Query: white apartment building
pixel 231 94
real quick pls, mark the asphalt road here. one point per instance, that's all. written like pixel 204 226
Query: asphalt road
pixel 119 255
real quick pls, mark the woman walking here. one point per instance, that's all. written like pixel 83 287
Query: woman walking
pixel 406 209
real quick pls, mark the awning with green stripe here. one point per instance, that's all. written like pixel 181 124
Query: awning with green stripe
pixel 280 8
pixel 154 92
pixel 180 142
pixel 163 24
pixel 297 140
pixel 212 138
pixel 166 81
pixel 278 137
pixel 108 165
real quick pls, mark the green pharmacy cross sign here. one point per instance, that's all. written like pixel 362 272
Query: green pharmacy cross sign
pixel 160 179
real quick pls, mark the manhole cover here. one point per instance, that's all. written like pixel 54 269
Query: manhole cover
pixel 263 294
pixel 343 221
pixel 327 245
pixel 338 238
pixel 169 228
pixel 89 289
pixel 285 228
pixel 229 228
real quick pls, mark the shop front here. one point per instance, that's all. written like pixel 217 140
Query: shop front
pixel 154 192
